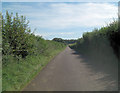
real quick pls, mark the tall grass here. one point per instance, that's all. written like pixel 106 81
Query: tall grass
pixel 17 74
pixel 24 54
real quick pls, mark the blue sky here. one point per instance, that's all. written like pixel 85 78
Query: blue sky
pixel 60 0
pixel 65 20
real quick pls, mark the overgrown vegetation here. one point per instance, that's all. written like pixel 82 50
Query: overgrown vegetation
pixel 24 54
pixel 101 50
pixel 100 41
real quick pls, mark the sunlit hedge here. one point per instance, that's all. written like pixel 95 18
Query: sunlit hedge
pixel 19 41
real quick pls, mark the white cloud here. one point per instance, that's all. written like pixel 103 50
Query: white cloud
pixel 61 19
pixel 67 15
pixel 58 33
pixel 60 0
pixel 64 35
pixel 63 15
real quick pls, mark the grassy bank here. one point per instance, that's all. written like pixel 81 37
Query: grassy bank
pixel 23 53
pixel 19 73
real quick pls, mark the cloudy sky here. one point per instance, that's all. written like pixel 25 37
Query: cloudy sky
pixel 68 20
pixel 60 0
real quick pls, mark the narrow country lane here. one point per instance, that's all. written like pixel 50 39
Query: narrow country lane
pixel 69 72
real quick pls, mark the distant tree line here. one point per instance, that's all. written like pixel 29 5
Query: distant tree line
pixel 65 41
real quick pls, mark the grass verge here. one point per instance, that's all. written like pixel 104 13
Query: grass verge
pixel 18 74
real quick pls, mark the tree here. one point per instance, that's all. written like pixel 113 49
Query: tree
pixel 58 40
pixel 17 37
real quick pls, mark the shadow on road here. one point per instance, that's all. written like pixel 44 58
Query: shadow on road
pixel 104 68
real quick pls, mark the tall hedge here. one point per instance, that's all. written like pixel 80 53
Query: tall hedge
pixel 99 40
pixel 19 41
pixel 16 34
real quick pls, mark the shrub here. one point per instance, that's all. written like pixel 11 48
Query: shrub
pixel 17 37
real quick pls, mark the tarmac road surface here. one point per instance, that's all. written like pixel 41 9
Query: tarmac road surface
pixel 68 71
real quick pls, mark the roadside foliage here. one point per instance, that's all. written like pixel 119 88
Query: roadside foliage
pixel 23 53
pixel 101 48
pixel 19 41
pixel 99 42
